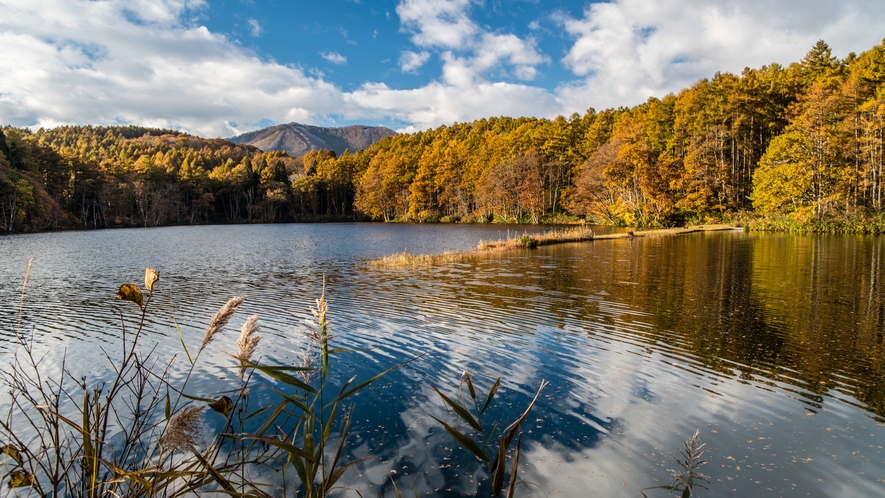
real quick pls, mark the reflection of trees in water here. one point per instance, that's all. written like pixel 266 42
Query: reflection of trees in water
pixel 800 311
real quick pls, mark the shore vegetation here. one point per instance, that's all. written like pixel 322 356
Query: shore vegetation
pixel 581 233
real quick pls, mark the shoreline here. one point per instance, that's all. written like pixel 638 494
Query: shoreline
pixel 565 236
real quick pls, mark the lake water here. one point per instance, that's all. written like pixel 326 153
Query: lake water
pixel 770 345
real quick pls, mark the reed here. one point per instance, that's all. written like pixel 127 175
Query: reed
pixel 112 443
pixel 248 342
pixel 220 319
pixel 127 437
pixel 687 477
pixel 483 445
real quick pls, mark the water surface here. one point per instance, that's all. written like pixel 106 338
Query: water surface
pixel 770 345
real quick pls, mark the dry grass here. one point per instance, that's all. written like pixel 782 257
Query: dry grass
pixel 220 319
pixel 560 236
pixel 183 429
pixel 407 259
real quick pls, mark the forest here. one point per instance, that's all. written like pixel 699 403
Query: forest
pixel 797 146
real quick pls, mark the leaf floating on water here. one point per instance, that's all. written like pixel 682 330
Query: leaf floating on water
pixel 222 405
pixel 20 479
pixel 150 277
pixel 129 292
pixel 12 452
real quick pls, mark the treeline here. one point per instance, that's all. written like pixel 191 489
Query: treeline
pixel 802 143
pixel 96 177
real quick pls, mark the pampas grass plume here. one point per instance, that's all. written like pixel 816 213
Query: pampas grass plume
pixel 183 429
pixel 220 319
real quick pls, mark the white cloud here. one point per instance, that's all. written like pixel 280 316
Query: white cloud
pixel 334 57
pixel 628 50
pixel 443 103
pixel 409 61
pixel 437 23
pixel 161 10
pixel 469 53
pixel 67 61
pixel 494 49
pixel 255 28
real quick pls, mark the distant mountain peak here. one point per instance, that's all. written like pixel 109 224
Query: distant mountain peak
pixel 298 139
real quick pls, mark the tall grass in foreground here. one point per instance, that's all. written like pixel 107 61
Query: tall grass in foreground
pixel 140 434
pixel 483 446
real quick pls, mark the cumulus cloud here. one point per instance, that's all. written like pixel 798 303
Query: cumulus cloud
pixel 409 61
pixel 437 23
pixel 334 57
pixel 120 62
pixel 627 50
pixel 470 54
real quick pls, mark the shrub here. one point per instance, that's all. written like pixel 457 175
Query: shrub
pixel 528 241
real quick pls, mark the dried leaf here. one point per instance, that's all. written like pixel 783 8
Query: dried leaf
pixel 20 479
pixel 222 405
pixel 150 277
pixel 12 452
pixel 129 292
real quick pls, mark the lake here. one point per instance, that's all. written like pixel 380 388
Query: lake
pixel 771 345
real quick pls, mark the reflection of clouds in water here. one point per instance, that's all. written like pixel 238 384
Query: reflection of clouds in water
pixel 424 458
pixel 641 405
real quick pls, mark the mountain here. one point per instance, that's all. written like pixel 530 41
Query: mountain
pixel 298 139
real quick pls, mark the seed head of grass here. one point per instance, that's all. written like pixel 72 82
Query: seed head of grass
pixel 220 319
pixel 687 477
pixel 307 361
pixel 183 429
pixel 317 330
pixel 248 341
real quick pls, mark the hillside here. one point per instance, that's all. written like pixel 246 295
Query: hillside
pixel 298 139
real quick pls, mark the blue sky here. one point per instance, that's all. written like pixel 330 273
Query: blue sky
pixel 224 67
pixel 353 42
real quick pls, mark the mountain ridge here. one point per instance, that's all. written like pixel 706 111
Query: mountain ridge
pixel 298 139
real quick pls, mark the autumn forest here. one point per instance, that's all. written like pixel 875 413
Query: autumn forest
pixel 798 146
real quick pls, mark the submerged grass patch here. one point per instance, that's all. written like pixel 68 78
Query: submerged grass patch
pixel 407 259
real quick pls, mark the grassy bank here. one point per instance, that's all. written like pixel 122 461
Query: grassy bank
pixel 856 225
pixel 579 233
